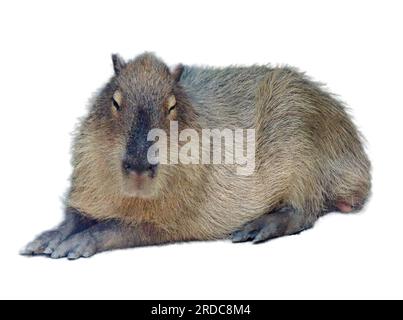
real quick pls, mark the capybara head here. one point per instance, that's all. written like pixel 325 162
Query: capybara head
pixel 142 95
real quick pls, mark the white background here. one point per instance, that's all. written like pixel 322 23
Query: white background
pixel 53 55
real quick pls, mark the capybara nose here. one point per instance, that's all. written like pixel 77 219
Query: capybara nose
pixel 139 167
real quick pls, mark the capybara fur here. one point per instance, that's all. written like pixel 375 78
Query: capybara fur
pixel 309 160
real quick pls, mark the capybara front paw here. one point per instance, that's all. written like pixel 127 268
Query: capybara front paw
pixel 81 245
pixel 250 231
pixel 44 243
pixel 278 223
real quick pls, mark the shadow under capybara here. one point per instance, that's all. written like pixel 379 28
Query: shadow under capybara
pixel 309 159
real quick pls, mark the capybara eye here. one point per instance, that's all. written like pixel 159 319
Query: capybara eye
pixel 171 103
pixel 117 101
pixel 115 104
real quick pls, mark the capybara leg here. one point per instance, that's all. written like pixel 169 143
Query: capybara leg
pixel 278 223
pixel 47 242
pixel 108 235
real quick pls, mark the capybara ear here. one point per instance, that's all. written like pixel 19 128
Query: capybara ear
pixel 176 72
pixel 118 63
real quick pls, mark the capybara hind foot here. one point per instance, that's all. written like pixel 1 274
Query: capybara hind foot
pixel 278 223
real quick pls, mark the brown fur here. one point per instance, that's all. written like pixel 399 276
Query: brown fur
pixel 309 154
